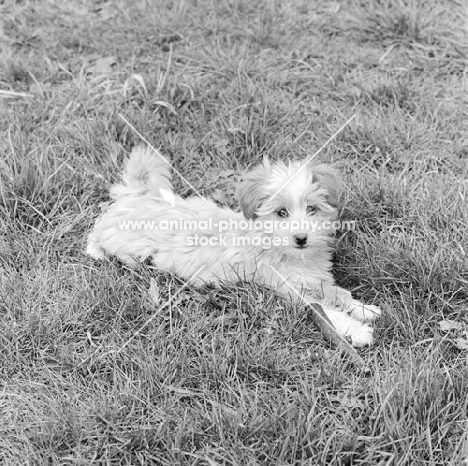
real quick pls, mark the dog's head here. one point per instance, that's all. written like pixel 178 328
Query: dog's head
pixel 299 200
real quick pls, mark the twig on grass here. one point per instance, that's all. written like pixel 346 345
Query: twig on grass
pixel 330 334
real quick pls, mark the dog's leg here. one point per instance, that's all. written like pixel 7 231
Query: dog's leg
pixel 343 299
pixel 363 312
pixel 345 325
pixel 360 334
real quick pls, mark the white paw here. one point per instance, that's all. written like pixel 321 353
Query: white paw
pixel 363 312
pixel 96 252
pixel 361 335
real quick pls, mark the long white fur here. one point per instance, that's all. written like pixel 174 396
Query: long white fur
pixel 142 195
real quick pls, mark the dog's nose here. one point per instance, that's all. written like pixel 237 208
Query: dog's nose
pixel 301 239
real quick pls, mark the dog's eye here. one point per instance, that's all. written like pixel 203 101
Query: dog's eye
pixel 282 213
pixel 311 209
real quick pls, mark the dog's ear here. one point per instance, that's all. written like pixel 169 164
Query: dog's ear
pixel 250 192
pixel 328 178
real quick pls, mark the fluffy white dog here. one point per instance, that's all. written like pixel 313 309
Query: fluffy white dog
pixel 281 240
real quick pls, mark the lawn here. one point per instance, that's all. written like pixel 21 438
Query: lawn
pixel 234 376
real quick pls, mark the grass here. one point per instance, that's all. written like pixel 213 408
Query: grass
pixel 232 376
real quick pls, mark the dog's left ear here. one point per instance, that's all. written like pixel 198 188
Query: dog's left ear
pixel 328 178
pixel 250 192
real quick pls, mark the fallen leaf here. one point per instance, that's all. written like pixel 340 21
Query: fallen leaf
pixel 103 65
pixel 349 401
pixel 447 325
pixel 355 92
pixel 154 292
pixel 221 145
pixel 128 83
pixel 461 343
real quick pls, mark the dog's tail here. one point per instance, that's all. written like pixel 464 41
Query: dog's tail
pixel 146 171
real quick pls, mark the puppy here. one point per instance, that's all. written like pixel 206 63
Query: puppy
pixel 282 239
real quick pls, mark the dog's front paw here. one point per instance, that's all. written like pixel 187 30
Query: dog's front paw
pixel 363 312
pixel 361 335
pixel 95 251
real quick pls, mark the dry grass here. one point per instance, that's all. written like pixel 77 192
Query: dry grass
pixel 232 376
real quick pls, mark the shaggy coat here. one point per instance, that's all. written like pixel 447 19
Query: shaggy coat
pixel 282 238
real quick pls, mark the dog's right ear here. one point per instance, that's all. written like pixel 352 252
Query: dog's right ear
pixel 250 192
